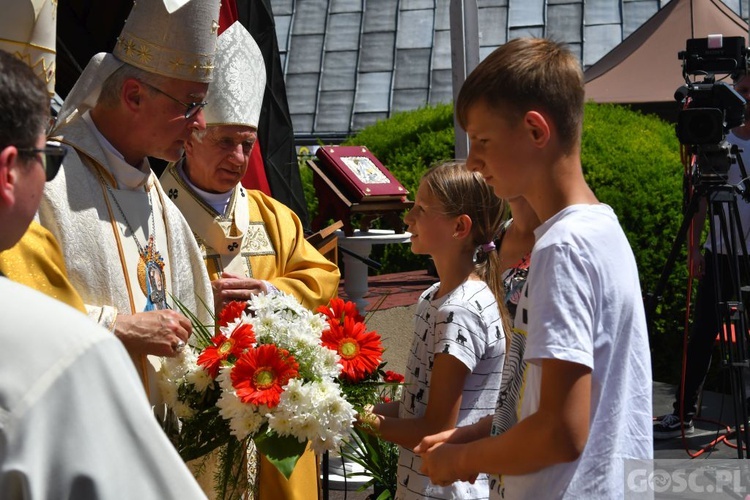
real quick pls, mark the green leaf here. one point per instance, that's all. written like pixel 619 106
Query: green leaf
pixel 282 451
pixel 203 333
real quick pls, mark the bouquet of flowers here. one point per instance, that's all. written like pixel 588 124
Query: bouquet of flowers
pixel 270 373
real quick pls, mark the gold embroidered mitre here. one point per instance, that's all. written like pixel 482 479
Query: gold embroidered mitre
pixel 172 38
pixel 27 30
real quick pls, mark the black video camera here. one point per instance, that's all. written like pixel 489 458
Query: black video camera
pixel 711 109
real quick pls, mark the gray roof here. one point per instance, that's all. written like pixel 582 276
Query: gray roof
pixel 349 63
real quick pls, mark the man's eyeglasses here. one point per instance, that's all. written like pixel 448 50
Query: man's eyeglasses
pixel 191 108
pixel 51 157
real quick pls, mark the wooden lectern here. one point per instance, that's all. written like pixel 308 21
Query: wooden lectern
pixel 326 241
pixel 340 177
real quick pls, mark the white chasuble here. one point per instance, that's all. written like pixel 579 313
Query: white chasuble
pixel 256 237
pixel 74 421
pixel 98 244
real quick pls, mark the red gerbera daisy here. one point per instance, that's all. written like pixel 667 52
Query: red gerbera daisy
pixel 393 377
pixel 260 373
pixel 241 338
pixel 360 351
pixel 231 312
pixel 337 310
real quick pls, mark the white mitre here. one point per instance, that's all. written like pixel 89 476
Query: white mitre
pixel 236 94
pixel 172 38
pixel 27 30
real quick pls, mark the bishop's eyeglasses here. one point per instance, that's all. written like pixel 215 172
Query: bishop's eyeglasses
pixel 191 108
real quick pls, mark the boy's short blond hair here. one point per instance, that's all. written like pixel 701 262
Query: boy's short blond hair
pixel 527 74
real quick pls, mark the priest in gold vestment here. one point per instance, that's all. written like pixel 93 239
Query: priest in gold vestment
pixel 250 242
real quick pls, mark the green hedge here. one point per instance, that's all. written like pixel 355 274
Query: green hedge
pixel 630 160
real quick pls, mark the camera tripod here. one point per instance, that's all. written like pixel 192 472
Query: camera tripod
pixel 725 228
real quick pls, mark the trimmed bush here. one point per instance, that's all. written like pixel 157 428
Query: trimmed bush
pixel 632 163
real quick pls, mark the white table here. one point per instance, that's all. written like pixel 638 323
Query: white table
pixel 355 271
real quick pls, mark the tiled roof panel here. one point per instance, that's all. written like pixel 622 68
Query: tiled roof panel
pixel 305 54
pixel 376 53
pixel 309 17
pixel 412 69
pixel 373 92
pixel 406 99
pixel 417 29
pixel 564 22
pixel 338 6
pixel 343 30
pixel 493 26
pixel 380 15
pixel 339 71
pixel 602 12
pixel 526 13
pixel 334 111
pixel 635 14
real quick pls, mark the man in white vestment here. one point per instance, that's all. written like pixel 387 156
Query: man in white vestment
pixel 251 243
pixel 74 420
pixel 129 252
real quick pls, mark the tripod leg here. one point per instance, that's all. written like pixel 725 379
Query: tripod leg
pixel 656 295
pixel 730 311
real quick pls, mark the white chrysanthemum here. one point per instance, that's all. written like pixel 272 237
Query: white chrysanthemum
pixel 183 411
pixel 232 326
pixel 230 406
pixel 306 427
pixel 175 368
pixel 224 378
pixel 318 324
pixel 200 379
pixel 281 424
pixel 168 390
pixel 295 394
pixel 172 374
pixel 260 301
pixel 326 363
pixel 246 424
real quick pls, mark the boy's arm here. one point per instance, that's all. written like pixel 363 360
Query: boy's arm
pixel 556 433
pixel 446 387
pixel 472 432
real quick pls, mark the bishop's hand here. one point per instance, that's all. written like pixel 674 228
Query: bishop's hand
pixel 161 333
pixel 232 287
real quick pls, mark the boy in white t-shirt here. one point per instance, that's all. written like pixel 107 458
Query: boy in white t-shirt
pixel 585 406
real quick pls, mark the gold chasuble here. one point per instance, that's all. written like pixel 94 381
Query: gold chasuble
pixel 256 237
pixel 37 262
pixel 259 237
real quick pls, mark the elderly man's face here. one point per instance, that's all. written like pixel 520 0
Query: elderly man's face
pixel 218 162
pixel 167 129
